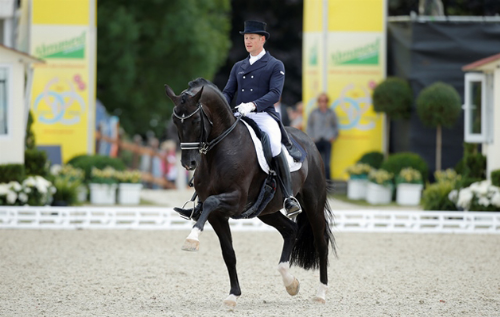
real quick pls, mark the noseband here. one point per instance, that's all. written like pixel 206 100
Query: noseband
pixel 204 145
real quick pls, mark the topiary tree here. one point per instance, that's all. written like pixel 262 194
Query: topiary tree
pixel 29 140
pixel 374 159
pixel 393 96
pixel 439 105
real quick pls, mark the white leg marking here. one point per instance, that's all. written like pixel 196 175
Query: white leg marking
pixel 321 293
pixel 230 301
pixel 195 233
pixel 292 285
pixel 192 243
pixel 284 268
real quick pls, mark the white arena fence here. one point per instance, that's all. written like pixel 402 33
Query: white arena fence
pixel 154 218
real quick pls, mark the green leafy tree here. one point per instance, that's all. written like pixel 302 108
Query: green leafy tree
pixel 145 44
pixel 393 96
pixel 439 105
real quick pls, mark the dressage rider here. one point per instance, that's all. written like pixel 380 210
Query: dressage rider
pixel 258 81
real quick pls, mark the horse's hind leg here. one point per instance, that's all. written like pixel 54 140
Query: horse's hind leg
pixel 315 204
pixel 221 228
pixel 288 230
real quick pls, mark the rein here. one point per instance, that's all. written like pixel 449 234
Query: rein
pixel 204 145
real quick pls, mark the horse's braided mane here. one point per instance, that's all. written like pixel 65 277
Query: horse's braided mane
pixel 199 82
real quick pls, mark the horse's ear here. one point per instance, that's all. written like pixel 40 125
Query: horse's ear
pixel 197 97
pixel 170 93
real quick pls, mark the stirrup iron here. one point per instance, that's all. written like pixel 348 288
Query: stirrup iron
pixel 294 213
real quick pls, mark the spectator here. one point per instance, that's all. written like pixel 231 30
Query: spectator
pixel 322 127
pixel 281 109
pixel 296 117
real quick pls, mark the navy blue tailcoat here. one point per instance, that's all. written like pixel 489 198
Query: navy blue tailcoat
pixel 260 83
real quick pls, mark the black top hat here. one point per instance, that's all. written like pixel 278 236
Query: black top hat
pixel 256 27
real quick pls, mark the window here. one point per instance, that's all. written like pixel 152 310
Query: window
pixel 476 106
pixel 4 104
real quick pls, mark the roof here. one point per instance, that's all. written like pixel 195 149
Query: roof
pixel 479 65
pixel 26 58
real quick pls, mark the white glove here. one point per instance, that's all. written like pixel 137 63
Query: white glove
pixel 245 108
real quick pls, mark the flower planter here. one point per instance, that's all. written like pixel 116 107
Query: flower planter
pixel 378 194
pixel 129 193
pixel 82 193
pixel 356 189
pixel 409 194
pixel 102 194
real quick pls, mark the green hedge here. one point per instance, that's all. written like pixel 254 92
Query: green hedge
pixel 495 178
pixel 396 162
pixel 86 162
pixel 472 166
pixel 374 159
pixel 12 172
pixel 36 163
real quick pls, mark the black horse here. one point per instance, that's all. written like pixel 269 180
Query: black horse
pixel 228 179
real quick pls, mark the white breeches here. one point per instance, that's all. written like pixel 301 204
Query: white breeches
pixel 267 124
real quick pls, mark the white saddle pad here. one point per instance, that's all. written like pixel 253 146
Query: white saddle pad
pixel 294 166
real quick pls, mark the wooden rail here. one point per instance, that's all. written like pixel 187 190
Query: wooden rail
pixel 138 150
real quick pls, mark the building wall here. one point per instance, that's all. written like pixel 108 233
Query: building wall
pixel 12 145
pixel 492 150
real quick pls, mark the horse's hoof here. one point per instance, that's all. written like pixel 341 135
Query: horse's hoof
pixel 230 302
pixel 191 245
pixel 293 289
pixel 319 300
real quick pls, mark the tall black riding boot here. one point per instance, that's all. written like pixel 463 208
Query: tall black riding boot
pixel 291 204
pixel 191 213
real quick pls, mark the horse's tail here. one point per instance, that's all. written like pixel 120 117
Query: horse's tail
pixel 304 253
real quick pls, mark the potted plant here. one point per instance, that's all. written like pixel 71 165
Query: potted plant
pixel 409 187
pixel 103 186
pixel 129 187
pixel 380 186
pixel 358 180
pixel 68 182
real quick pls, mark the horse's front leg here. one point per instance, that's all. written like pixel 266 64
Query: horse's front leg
pixel 221 227
pixel 223 202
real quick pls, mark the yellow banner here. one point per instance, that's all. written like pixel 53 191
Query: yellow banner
pixel 353 40
pixel 63 93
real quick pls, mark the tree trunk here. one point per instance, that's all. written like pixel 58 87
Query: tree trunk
pixel 438 148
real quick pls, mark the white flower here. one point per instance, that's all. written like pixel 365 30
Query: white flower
pixel 27 190
pixel 23 197
pixel 495 200
pixel 453 195
pixel 30 181
pixel 15 186
pixel 11 197
pixel 464 198
pixel 53 190
pixel 480 188
pixel 55 169
pixel 42 184
pixel 483 201
pixel 4 189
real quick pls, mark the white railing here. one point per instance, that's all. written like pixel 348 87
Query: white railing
pixel 155 218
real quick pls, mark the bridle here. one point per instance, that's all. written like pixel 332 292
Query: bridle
pixel 204 145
